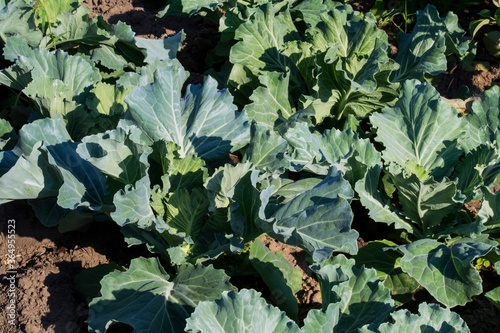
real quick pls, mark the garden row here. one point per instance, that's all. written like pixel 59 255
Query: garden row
pixel 304 113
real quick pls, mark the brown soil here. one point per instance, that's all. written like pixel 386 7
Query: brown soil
pixel 48 261
pixel 201 34
pixel 309 297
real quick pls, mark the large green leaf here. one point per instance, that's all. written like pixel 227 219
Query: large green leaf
pixel 308 10
pixel 317 152
pixel 319 219
pixel 322 322
pixel 145 298
pixel 483 124
pixel 84 185
pixel 107 99
pixel 494 296
pixel 376 255
pixel 354 300
pixel 351 307
pixel 187 211
pixel 73 73
pixel 121 153
pixel 330 273
pixel 50 170
pixel 360 306
pixel 50 98
pixel 307 148
pixel 292 189
pixel 331 189
pixel 379 204
pixel 280 276
pixel 422 51
pixel 18 18
pixel 364 157
pixel 26 171
pixel 205 122
pixel 445 271
pixel 49 131
pixel 244 311
pixel 354 66
pixel 267 150
pixel 430 318
pixel 221 185
pixel 271 101
pixel 15 77
pixel 75 28
pixel 30 176
pixel 120 51
pixel 183 172
pixel 261 39
pixel 8 136
pixel 457 40
pixel 48 11
pixel 59 86
pixel 161 49
pixel 479 167
pixel 44 173
pixel 344 284
pixel 132 205
pixel 107 105
pixel 420 130
pixel 489 214
pixel 15 47
pixel 245 207
pixel 426 203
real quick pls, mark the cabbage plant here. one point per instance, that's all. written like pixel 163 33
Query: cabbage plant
pixel 308 117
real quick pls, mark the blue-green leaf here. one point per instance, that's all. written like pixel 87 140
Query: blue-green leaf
pixel 319 219
pixel 271 102
pixel 353 66
pixel 244 311
pixel 430 318
pixel 376 255
pixel 26 171
pixel 18 18
pixel 132 205
pixel 426 203
pixel 84 184
pixel 494 296
pixel 422 51
pixel 420 130
pixel 483 124
pixel 445 271
pixel 261 38
pixel 378 203
pixel 121 153
pixel 361 296
pixel 489 213
pixel 145 298
pixel 203 122
pixel 267 150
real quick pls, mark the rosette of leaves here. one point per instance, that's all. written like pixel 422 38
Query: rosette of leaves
pixel 337 65
pixel 61 58
pixel 431 167
pixel 322 56
pixel 147 298
pixel 347 307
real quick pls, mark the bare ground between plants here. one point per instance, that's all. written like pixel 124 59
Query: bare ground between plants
pixel 48 261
